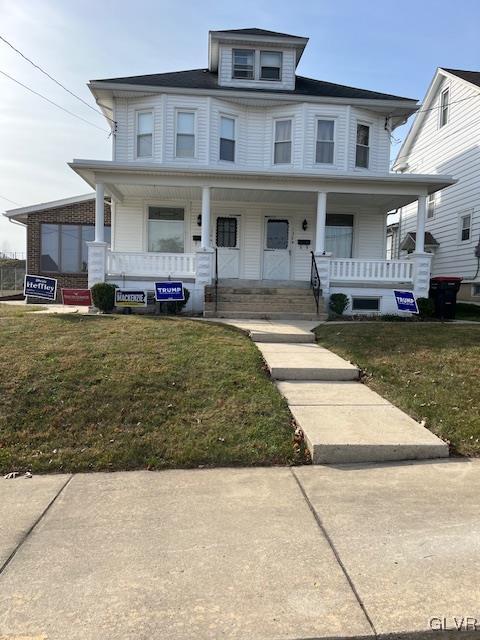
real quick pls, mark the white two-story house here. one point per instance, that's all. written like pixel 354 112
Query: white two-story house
pixel 445 138
pixel 246 173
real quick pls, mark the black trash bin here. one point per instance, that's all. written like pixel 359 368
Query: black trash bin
pixel 443 291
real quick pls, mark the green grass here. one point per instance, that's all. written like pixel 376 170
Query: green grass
pixel 18 310
pixel 465 311
pixel 111 392
pixel 431 371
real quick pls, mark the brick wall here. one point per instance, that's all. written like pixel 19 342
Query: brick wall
pixel 77 213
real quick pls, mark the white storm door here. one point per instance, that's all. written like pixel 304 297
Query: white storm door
pixel 227 241
pixel 276 252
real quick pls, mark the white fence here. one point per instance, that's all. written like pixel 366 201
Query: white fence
pixel 178 265
pixel 350 270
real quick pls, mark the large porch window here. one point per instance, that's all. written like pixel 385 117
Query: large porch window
pixel 339 235
pixel 64 248
pixel 166 231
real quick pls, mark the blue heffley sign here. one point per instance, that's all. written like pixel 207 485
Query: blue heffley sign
pixel 40 287
pixel 165 291
pixel 406 301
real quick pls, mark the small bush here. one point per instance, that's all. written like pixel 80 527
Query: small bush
pixel 426 307
pixel 338 303
pixel 175 307
pixel 103 296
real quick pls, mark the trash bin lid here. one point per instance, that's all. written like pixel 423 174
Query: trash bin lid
pixel 446 279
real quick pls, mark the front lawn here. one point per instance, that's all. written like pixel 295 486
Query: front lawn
pixel 431 371
pixel 110 392
pixel 18 310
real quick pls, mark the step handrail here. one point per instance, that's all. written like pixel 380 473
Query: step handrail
pixel 315 281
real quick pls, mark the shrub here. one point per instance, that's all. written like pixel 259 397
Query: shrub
pixel 103 296
pixel 426 307
pixel 175 307
pixel 338 303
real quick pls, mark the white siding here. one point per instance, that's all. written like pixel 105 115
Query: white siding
pixel 453 150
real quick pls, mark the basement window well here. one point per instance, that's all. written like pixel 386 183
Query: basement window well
pixel 365 304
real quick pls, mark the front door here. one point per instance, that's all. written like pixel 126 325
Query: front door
pixel 228 246
pixel 276 252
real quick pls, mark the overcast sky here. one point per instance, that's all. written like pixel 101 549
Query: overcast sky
pixel 384 46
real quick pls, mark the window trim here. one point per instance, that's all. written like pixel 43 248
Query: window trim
pixel 282 119
pixel 431 206
pixel 254 52
pixel 364 123
pixel 367 311
pixel 187 219
pixel 444 108
pixel 235 120
pixel 137 114
pixel 60 225
pixel 195 137
pixel 461 228
pixel 320 118
pixel 280 68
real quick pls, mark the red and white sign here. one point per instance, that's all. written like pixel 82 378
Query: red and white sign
pixel 78 297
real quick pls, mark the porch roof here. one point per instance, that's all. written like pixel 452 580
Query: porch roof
pixel 382 191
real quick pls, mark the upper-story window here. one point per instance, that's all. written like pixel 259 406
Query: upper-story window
pixel 270 65
pixel 185 135
pixel 362 155
pixel 227 138
pixel 465 227
pixel 444 98
pixel 325 148
pixel 144 134
pixel 243 64
pixel 282 153
pixel 430 206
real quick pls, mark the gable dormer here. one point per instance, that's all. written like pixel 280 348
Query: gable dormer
pixel 255 58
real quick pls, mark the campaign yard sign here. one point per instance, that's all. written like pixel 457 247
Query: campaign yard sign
pixel 80 297
pixel 406 301
pixel 40 287
pixel 130 298
pixel 167 291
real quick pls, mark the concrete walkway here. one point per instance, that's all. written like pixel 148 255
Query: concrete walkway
pixel 343 421
pixel 246 554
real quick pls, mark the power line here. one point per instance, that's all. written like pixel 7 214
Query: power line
pixel 474 95
pixel 97 111
pixel 54 103
pixel 12 201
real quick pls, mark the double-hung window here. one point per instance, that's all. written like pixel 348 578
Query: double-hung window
pixel 243 64
pixel 185 135
pixel 362 155
pixel 282 153
pixel 465 227
pixel 430 206
pixel 144 134
pixel 227 139
pixel 270 65
pixel 444 106
pixel 166 229
pixel 64 248
pixel 324 152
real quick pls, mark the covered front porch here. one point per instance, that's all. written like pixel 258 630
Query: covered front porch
pixel 202 227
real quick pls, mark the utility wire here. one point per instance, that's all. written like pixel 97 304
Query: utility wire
pixel 12 201
pixel 55 80
pixel 474 95
pixel 54 103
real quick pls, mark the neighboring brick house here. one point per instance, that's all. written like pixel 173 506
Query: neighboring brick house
pixel 57 233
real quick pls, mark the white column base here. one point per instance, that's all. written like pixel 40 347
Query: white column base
pixel 323 266
pixel 97 262
pixel 421 273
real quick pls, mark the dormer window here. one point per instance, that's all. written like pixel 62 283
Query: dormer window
pixel 270 65
pixel 243 64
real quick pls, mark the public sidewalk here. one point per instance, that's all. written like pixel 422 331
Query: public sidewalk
pixel 251 554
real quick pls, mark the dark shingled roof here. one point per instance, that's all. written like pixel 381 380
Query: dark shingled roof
pixel 408 243
pixel 257 32
pixel 205 79
pixel 469 76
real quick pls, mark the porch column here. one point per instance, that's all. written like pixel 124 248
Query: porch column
pixel 421 217
pixel 205 242
pixel 321 222
pixel 99 211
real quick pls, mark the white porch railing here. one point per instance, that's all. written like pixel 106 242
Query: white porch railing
pixel 178 265
pixel 352 270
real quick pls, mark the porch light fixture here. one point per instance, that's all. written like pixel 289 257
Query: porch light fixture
pixel 305 224
pixel 199 220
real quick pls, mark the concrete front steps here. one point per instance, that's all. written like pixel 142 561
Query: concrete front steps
pixel 277 302
pixel 343 421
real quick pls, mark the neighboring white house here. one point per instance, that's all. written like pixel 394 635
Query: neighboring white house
pixel 445 138
pixel 248 166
